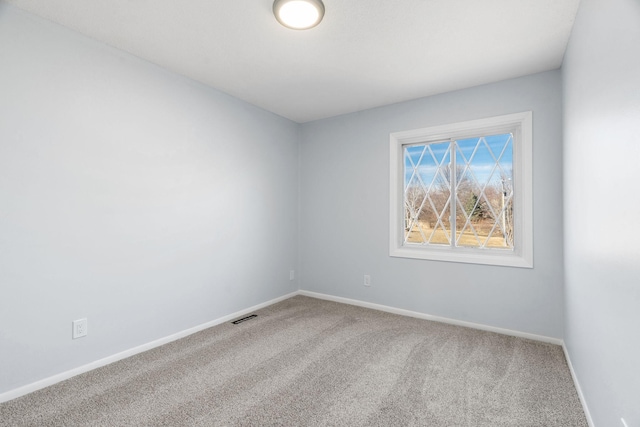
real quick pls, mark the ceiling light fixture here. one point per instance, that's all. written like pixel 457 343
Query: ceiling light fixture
pixel 298 14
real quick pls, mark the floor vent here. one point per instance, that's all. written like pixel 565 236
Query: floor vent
pixel 244 319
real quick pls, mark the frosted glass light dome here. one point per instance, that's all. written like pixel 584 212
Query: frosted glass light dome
pixel 298 14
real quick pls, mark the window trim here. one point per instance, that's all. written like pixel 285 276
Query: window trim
pixel 521 125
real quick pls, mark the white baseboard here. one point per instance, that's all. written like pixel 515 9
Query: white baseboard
pixel 418 315
pixel 29 388
pixel 587 414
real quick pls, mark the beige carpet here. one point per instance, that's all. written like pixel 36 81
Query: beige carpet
pixel 311 362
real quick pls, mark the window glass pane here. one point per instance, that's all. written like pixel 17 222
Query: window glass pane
pixel 427 194
pixel 485 192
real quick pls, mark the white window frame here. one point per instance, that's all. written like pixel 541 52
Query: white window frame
pixel 521 126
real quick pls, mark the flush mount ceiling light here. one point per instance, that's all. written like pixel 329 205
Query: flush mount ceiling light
pixel 298 14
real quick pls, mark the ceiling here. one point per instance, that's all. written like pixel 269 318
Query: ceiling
pixel 364 54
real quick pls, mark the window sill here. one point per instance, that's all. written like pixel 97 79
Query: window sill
pixel 464 255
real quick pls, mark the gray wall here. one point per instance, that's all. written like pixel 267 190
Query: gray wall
pixel 139 199
pixel 601 76
pixel 344 222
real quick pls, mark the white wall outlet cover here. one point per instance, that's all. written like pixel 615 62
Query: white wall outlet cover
pixel 79 328
pixel 367 280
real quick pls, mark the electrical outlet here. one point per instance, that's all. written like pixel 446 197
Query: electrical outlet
pixel 367 280
pixel 79 328
pixel 292 274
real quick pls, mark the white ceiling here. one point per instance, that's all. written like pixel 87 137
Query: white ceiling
pixel 364 54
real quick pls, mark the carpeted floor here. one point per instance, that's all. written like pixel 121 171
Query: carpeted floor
pixel 310 362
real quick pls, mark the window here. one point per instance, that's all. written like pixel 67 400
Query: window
pixel 463 192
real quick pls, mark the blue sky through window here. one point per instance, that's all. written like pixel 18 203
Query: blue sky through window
pixel 481 153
